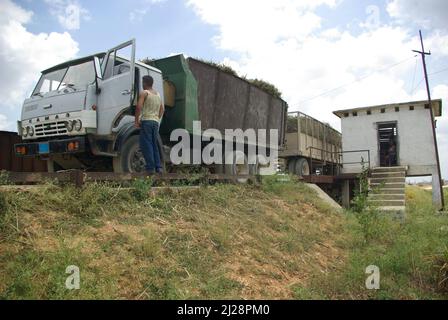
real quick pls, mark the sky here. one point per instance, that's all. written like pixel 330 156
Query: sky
pixel 323 55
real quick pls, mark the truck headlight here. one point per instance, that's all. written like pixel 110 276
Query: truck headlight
pixel 24 132
pixel 70 126
pixel 78 125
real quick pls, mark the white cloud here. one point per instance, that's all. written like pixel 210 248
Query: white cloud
pixel 427 14
pixel 23 55
pixel 4 123
pixel 284 43
pixel 68 12
pixel 136 15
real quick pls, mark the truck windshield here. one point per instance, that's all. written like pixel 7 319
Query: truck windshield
pixel 49 81
pixel 78 76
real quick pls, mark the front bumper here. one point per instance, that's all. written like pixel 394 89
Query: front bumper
pixel 46 148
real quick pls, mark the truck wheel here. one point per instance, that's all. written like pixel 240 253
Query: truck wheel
pixel 292 166
pixel 131 158
pixel 239 166
pixel 254 168
pixel 302 168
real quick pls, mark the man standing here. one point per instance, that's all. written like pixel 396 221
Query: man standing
pixel 151 109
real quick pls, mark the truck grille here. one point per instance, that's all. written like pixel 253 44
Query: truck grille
pixel 50 129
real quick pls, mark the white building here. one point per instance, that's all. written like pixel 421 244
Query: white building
pixel 393 135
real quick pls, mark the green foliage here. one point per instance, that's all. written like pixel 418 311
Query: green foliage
pixel 41 275
pixel 411 255
pixel 219 242
pixel 4 178
pixel 221 66
pixel 267 87
pixel 141 188
pixel 259 83
pixel 4 212
pixel 3 204
pixel 360 203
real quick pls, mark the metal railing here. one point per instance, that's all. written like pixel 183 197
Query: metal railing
pixel 338 164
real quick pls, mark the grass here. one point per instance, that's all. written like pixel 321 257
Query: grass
pixel 277 241
pixel 412 256
pixel 223 241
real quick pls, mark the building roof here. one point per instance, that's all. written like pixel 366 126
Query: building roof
pixel 436 104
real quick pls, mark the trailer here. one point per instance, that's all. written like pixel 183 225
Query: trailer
pixel 200 91
pixel 312 147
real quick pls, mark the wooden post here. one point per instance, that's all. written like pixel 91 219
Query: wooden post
pixel 438 197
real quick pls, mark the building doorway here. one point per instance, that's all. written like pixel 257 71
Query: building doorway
pixel 388 144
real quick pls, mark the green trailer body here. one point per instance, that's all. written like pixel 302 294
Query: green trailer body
pixel 218 99
pixel 175 69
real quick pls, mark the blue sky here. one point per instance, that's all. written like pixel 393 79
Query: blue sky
pixel 167 27
pixel 304 47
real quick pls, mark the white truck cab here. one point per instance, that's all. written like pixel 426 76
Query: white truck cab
pixel 80 113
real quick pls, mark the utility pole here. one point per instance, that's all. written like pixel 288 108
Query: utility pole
pixel 424 54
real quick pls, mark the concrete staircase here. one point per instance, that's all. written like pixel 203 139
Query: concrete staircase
pixel 387 187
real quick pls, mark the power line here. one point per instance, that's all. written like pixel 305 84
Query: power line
pixel 440 71
pixel 413 78
pixel 423 79
pixel 357 80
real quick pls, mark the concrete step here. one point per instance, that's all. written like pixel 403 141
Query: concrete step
pixel 388 185
pixel 390 169
pixel 386 190
pixel 388 180
pixel 389 175
pixel 393 208
pixel 387 203
pixel 377 197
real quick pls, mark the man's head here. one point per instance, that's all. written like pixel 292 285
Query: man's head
pixel 148 81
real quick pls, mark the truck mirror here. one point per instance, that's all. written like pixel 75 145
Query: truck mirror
pixel 98 72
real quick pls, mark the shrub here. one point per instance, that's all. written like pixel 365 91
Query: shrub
pixel 141 188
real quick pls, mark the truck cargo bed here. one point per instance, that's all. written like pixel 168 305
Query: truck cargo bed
pixel 218 99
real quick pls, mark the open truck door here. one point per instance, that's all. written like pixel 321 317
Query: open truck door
pixel 116 86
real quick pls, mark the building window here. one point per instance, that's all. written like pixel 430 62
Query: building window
pixel 411 108
pixel 427 106
pixel 397 109
pixel 346 115
pixel 355 114
pixel 369 112
pixel 383 110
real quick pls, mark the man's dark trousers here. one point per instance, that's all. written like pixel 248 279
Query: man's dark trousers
pixel 149 133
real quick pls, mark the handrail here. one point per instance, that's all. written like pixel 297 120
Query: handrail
pixel 340 153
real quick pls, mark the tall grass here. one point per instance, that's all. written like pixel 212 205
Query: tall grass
pixel 411 255
pixel 274 240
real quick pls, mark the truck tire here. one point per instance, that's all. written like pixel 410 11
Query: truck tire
pixel 130 158
pixel 254 168
pixel 302 168
pixel 292 166
pixel 235 168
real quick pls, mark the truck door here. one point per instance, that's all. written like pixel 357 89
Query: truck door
pixel 117 92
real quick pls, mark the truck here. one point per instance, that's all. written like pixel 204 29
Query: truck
pixel 81 113
pixel 311 146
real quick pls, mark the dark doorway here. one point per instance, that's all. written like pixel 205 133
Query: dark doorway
pixel 388 144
